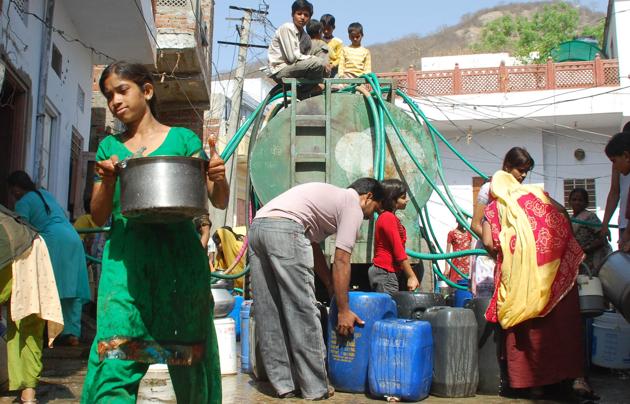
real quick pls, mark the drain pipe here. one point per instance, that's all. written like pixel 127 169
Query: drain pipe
pixel 44 66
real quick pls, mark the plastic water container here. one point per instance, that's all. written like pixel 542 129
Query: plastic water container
pixel 462 296
pixel 348 357
pixel 411 305
pixel 156 386
pixel 611 341
pixel 455 355
pixel 236 315
pixel 244 315
pixel 401 359
pixel 226 337
pixel 256 366
pixel 488 343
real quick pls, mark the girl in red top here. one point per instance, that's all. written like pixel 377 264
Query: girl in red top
pixel 389 243
pixel 458 239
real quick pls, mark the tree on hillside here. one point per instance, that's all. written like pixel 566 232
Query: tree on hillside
pixel 540 33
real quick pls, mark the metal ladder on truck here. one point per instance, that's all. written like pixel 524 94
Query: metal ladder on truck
pixel 311 131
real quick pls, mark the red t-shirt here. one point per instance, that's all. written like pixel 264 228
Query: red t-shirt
pixel 390 237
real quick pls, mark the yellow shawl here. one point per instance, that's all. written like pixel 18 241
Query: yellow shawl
pixel 230 247
pixel 525 287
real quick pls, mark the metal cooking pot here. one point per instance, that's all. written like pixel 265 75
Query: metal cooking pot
pixel 614 273
pixel 223 301
pixel 591 296
pixel 222 283
pixel 163 189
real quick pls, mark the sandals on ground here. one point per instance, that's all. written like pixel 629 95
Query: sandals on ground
pixel 583 390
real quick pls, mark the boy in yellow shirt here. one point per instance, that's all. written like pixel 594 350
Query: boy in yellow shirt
pixel 334 44
pixel 355 60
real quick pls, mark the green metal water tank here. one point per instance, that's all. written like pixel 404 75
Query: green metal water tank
pixel 576 51
pixel 332 140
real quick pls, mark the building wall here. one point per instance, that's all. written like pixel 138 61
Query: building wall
pixel 467 61
pixel 186 117
pixel 21 48
pixel 63 95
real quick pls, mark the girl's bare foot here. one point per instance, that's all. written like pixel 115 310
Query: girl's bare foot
pixel 28 396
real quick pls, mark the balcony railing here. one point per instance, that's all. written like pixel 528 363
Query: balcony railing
pixel 502 79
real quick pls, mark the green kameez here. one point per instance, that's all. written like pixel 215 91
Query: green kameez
pixel 154 293
pixel 25 341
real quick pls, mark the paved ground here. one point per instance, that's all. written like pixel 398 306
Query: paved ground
pixel 64 371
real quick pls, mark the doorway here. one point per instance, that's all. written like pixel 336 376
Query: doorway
pixel 14 102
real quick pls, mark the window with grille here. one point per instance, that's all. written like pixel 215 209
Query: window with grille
pixel 56 60
pixel 80 98
pixel 22 9
pixel 587 183
pixel 173 3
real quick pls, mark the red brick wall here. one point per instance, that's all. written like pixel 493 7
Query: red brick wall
pixel 186 118
pixel 212 127
pixel 177 19
pixel 97 70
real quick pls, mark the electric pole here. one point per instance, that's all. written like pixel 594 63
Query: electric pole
pixel 231 167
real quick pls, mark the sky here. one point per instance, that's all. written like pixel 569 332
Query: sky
pixel 382 20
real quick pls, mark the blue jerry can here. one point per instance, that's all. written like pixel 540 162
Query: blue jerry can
pixel 401 359
pixel 244 327
pixel 462 296
pixel 348 358
pixel 236 315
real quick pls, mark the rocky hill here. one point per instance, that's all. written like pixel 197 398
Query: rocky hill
pixel 397 55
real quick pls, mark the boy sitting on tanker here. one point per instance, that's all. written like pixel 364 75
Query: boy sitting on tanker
pixel 355 60
pixel 335 45
pixel 288 53
pixel 318 46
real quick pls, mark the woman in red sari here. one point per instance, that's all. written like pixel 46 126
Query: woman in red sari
pixel 535 298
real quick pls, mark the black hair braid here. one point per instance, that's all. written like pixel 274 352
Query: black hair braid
pixel 23 181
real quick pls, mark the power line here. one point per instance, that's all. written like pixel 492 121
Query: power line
pixel 474 110
pixel 513 120
pixel 532 103
pixel 494 154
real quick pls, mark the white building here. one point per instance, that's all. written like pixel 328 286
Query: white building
pixel 47 49
pixel 467 61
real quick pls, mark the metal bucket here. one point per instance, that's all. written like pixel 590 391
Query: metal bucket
pixel 614 274
pixel 223 301
pixel 163 189
pixel 591 296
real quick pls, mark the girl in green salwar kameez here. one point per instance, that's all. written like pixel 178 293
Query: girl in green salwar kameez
pixel 154 300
